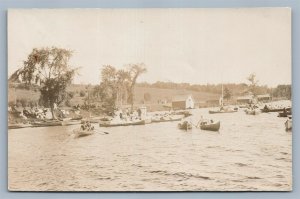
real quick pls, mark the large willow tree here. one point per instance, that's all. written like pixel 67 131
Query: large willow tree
pixel 49 68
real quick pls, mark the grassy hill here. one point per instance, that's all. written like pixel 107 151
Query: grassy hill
pixel 154 94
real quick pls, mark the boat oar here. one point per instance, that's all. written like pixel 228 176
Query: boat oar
pixel 103 132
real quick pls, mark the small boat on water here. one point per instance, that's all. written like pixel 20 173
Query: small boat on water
pixel 285 113
pixel 266 109
pixel 46 123
pixel 82 133
pixel 18 126
pixel 222 111
pixel 121 123
pixel 70 122
pixel 252 111
pixel 168 118
pixel 185 125
pixel 210 126
pixel 288 124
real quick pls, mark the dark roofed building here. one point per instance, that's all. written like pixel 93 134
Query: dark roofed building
pixel 183 102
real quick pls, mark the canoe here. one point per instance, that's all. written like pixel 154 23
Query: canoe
pixel 70 122
pixel 168 119
pixel 46 123
pixel 210 126
pixel 288 124
pixel 18 126
pixel 82 133
pixel 185 125
pixel 267 110
pixel 284 114
pixel 221 111
pixel 121 123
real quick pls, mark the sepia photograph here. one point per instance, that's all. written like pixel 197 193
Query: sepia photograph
pixel 160 99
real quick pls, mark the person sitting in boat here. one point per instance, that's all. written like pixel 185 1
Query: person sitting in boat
pixel 83 126
pixel 211 121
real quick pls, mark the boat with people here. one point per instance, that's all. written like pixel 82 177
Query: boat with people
pixel 209 125
pixel 285 113
pixel 267 109
pixel 114 123
pixel 288 124
pixel 222 110
pixel 85 129
pixel 185 125
pixel 252 111
pixel 167 118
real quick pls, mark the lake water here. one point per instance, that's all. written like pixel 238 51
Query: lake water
pixel 249 153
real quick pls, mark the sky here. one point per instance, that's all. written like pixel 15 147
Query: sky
pixel 197 46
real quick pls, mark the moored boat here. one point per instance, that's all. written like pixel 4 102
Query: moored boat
pixel 185 125
pixel 266 109
pixel 252 111
pixel 222 111
pixel 70 122
pixel 210 126
pixel 169 118
pixel 121 123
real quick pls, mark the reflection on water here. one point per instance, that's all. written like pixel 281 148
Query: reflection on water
pixel 249 153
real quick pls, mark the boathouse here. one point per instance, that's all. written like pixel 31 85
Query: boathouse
pixel 183 102
pixel 247 99
pixel 264 98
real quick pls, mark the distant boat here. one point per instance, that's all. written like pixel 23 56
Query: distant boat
pixel 82 133
pixel 70 122
pixel 210 126
pixel 169 118
pixel 185 125
pixel 252 111
pixel 222 111
pixel 121 123
pixel 267 109
pixel 288 124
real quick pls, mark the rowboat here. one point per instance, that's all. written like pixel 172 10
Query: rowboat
pixel 214 126
pixel 121 123
pixel 185 125
pixel 222 111
pixel 252 111
pixel 288 124
pixel 172 118
pixel 267 110
pixel 18 126
pixel 82 133
pixel 46 123
pixel 284 114
pixel 70 122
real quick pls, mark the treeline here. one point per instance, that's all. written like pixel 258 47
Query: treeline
pixel 236 89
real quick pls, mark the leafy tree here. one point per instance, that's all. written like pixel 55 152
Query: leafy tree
pixel 49 68
pixel 253 83
pixel 227 94
pixel 135 70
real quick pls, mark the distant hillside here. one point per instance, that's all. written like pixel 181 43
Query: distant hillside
pixel 167 94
